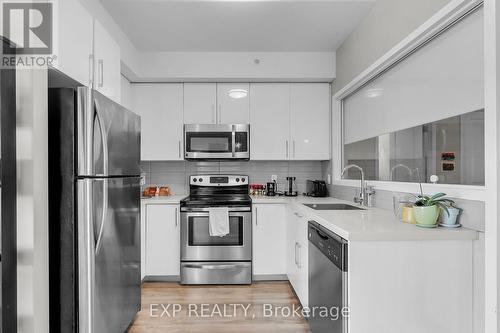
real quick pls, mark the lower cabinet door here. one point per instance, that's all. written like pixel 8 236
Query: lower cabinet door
pixel 269 239
pixel 297 255
pixel 162 255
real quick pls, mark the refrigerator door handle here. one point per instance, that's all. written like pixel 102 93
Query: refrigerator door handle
pixel 98 243
pixel 86 256
pixel 104 139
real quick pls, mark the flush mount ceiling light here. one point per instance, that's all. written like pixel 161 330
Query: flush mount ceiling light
pixel 375 92
pixel 238 93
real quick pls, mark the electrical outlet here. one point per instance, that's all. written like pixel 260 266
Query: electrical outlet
pixel 274 178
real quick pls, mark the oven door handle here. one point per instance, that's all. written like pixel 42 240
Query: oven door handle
pixel 215 267
pixel 204 212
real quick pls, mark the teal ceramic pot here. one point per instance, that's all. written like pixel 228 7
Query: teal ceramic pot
pixel 451 218
pixel 426 215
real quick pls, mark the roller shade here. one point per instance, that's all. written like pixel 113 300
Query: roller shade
pixel 442 79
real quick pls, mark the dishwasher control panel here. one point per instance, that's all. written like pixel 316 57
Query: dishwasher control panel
pixel 331 245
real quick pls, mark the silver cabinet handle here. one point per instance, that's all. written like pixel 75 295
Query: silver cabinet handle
pixel 91 70
pixel 214 114
pixel 298 215
pixel 176 221
pixel 286 148
pixel 256 216
pixel 101 72
pixel 293 148
pixel 179 149
pixel 295 254
pixel 299 259
pixel 219 121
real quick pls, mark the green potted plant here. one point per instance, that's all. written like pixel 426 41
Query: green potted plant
pixel 427 209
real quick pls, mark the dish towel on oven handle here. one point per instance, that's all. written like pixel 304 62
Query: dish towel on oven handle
pixel 218 221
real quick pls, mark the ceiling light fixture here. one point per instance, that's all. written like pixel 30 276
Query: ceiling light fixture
pixel 374 92
pixel 238 93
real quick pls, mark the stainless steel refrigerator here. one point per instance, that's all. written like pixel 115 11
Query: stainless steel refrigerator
pixel 94 210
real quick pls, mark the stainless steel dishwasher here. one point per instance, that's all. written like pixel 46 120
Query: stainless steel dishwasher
pixel 327 280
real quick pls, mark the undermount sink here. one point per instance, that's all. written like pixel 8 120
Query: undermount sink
pixel 338 206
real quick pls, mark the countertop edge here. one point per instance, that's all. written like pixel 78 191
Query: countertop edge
pixel 439 234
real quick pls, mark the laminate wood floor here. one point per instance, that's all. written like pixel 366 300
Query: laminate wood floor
pixel 218 309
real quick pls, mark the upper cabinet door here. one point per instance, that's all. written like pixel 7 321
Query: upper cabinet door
pixel 75 41
pixel 310 121
pixel 107 64
pixel 270 121
pixel 200 103
pixel 160 108
pixel 233 103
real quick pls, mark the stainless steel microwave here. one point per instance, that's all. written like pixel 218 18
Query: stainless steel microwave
pixel 217 142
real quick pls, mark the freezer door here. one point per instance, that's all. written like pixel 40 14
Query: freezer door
pixel 108 137
pixel 113 275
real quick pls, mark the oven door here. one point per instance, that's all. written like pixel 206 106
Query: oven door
pixel 216 142
pixel 198 245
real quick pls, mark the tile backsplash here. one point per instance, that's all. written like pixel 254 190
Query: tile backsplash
pixel 175 174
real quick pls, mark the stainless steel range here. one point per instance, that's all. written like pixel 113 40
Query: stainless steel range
pixel 209 259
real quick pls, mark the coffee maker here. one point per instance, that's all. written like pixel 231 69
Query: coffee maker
pixel 271 189
pixel 292 191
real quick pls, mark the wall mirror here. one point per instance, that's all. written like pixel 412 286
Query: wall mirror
pixel 423 116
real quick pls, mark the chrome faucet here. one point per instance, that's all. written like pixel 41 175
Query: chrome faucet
pixel 365 194
pixel 410 171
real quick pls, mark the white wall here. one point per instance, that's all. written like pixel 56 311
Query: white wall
pixel 235 66
pixel 214 66
pixel 387 23
pixel 492 171
pixel 32 201
pixel 373 45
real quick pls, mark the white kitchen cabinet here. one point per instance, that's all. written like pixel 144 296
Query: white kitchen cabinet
pixel 269 239
pixel 107 64
pixel 233 106
pixel 290 121
pixel 160 108
pixel 297 255
pixel 310 121
pixel 270 121
pixel 200 103
pixel 75 38
pixel 162 240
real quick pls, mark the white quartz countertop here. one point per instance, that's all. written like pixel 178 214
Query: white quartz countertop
pixel 370 224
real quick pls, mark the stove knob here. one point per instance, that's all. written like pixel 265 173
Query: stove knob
pixel 200 180
pixel 243 180
pixel 195 180
pixel 237 180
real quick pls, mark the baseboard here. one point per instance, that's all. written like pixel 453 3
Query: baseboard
pixel 162 278
pixel 270 277
pixel 177 278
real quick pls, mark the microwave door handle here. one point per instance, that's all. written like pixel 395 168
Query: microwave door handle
pixel 233 138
